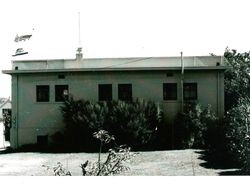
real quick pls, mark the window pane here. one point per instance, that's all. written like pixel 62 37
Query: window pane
pixel 105 92
pixel 61 93
pixel 42 93
pixel 170 91
pixel 125 92
pixel 190 91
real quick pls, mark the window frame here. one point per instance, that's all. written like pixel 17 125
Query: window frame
pixel 193 89
pixel 107 95
pixel 44 97
pixel 170 97
pixel 121 92
pixel 59 93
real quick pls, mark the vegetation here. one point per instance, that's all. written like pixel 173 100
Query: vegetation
pixel 132 123
pixel 237 78
pixel 7 124
pixel 113 164
pixel 238 133
pixel 195 127
pixel 237 105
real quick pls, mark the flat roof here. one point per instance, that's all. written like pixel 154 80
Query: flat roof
pixel 117 64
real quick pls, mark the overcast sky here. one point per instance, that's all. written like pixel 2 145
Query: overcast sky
pixel 122 28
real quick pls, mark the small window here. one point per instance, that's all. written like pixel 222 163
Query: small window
pixel 105 92
pixel 61 76
pixel 125 92
pixel 190 91
pixel 170 91
pixel 61 93
pixel 170 74
pixel 42 93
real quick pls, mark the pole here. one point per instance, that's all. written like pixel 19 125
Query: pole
pixel 79 29
pixel 182 81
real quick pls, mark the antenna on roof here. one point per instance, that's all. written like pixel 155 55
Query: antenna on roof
pixel 79 29
pixel 79 49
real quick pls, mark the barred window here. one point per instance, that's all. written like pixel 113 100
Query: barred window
pixel 42 93
pixel 125 92
pixel 61 93
pixel 105 92
pixel 170 91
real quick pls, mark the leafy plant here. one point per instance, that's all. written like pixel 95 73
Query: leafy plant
pixel 113 164
pixel 195 127
pixel 238 133
pixel 237 78
pixel 7 123
pixel 132 123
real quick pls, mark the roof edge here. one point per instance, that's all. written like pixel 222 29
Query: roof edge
pixel 113 69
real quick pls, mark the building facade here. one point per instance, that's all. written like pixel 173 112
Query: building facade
pixel 39 87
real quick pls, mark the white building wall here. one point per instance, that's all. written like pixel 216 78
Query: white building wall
pixel 44 118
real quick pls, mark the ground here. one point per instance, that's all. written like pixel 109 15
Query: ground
pixel 160 163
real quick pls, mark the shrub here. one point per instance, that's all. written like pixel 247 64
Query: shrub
pixel 7 124
pixel 238 124
pixel 195 127
pixel 132 123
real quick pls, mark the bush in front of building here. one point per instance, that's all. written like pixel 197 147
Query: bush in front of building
pixel 133 123
pixel 195 127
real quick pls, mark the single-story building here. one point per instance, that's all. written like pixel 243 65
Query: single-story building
pixel 39 87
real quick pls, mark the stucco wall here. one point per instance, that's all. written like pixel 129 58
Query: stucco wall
pixel 44 118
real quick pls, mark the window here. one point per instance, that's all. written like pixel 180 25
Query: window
pixel 190 91
pixel 170 74
pixel 42 93
pixel 105 92
pixel 125 92
pixel 61 76
pixel 170 91
pixel 61 93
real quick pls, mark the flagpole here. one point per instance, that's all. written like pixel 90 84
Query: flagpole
pixel 79 30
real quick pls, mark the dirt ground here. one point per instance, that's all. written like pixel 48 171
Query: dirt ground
pixel 156 163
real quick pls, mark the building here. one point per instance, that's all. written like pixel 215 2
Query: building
pixel 39 87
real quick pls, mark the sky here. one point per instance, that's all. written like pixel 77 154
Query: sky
pixel 121 28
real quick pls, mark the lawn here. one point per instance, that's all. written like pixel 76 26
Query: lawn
pixel 160 163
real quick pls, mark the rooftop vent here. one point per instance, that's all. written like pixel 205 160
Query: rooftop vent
pixel 79 54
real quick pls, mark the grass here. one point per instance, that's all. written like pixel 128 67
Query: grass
pixel 155 163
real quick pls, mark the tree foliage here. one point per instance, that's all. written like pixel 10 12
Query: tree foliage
pixel 196 127
pixel 237 77
pixel 238 132
pixel 237 106
pixel 132 123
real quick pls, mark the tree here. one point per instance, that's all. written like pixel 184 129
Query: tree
pixel 237 77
